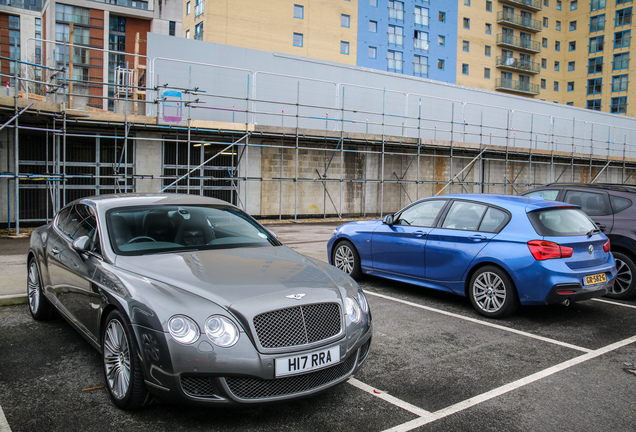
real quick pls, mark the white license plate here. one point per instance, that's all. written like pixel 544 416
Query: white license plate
pixel 292 365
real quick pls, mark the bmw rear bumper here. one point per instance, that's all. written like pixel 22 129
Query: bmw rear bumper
pixel 566 293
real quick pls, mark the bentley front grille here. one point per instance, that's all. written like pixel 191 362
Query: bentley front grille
pixel 256 388
pixel 299 325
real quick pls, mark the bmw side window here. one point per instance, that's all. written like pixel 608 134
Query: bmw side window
pixel 423 214
pixel 494 220
pixel 591 203
pixel 464 216
pixel 619 203
pixel 550 194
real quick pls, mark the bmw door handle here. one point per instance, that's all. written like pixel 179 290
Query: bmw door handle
pixel 477 237
pixel 419 233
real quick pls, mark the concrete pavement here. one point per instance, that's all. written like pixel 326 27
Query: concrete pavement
pixel 306 238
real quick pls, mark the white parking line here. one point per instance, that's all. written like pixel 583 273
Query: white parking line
pixel 4 425
pixel 387 397
pixel 468 403
pixel 476 321
pixel 615 303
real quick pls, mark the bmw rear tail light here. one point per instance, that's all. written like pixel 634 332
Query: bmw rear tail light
pixel 606 246
pixel 544 250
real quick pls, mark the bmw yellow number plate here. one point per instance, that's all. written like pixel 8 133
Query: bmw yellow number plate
pixel 595 279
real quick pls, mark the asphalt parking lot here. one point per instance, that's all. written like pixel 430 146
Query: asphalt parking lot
pixel 435 364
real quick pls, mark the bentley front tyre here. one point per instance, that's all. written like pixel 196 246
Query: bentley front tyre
pixel 492 292
pixel 624 285
pixel 122 368
pixel 346 258
pixel 39 306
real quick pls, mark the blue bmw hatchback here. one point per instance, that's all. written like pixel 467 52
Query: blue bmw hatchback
pixel 499 250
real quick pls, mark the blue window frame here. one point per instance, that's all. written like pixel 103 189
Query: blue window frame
pixel 344 47
pixel 619 83
pixel 571 66
pixel 622 38
pixel 594 104
pixel 619 105
pixel 596 5
pixel 299 11
pixel 596 44
pixel 621 61
pixel 597 23
pixel 298 39
pixel 623 17
pixel 594 86
pixel 465 68
pixel 595 65
pixel 571 86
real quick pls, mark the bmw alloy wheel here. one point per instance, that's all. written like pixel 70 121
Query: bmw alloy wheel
pixel 492 292
pixel 346 258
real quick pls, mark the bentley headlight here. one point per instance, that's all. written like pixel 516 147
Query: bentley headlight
pixel 183 329
pixel 352 309
pixel 362 299
pixel 221 331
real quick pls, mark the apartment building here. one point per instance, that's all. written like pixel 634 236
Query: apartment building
pixel 108 39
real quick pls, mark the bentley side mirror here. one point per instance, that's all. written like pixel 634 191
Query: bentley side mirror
pixel 82 244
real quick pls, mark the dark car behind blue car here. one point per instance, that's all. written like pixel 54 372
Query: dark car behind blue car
pixel 499 250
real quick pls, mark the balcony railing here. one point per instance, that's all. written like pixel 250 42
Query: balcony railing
pixel 420 44
pixel 516 20
pixel 420 69
pixel 396 39
pixel 198 9
pixel 516 86
pixel 523 44
pixel 535 5
pixel 421 19
pixel 620 64
pixel 397 14
pixel 518 64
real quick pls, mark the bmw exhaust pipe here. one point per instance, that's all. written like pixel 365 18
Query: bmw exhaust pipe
pixel 566 302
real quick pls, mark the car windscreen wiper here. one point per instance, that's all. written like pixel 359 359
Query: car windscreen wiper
pixel 593 231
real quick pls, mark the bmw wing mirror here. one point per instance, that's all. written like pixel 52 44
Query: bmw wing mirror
pixel 388 219
pixel 82 244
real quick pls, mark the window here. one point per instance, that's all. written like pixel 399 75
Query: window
pixel 623 17
pixel 373 26
pixel 396 10
pixel 596 44
pixel 198 31
pixel 622 39
pixel 572 46
pixel 556 65
pixel 344 47
pixel 466 2
pixel 421 15
pixel 488 6
pixel 299 11
pixel 373 52
pixel 595 65
pixel 544 42
pixel 574 5
pixel 557 45
pixel 570 66
pixel 545 21
pixel 187 34
pixel 172 28
pixel 345 20
pixel 440 64
pixel 594 104
pixel 466 23
pixel 622 1
pixel 572 25
pixel 594 86
pixel 373 3
pixel 558 5
pixel 465 68
pixel 619 83
pixel 396 35
pixel 188 10
pixel 556 86
pixel 619 105
pixel 487 50
pixel 487 73
pixel 597 23
pixel 420 65
pixel 442 16
pixel 394 61
pixel 298 39
pixel 558 25
pixel 420 41
pixel 546 3
pixel 597 4
pixel 571 86
pixel 465 46
pixel 542 83
pixel 544 63
pixel 488 28
pixel 441 40
pixel 621 61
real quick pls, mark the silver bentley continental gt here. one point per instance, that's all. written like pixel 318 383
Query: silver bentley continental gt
pixel 189 299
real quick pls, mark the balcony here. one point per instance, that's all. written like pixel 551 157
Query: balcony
pixel 535 5
pixel 518 21
pixel 516 86
pixel 523 44
pixel 518 65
